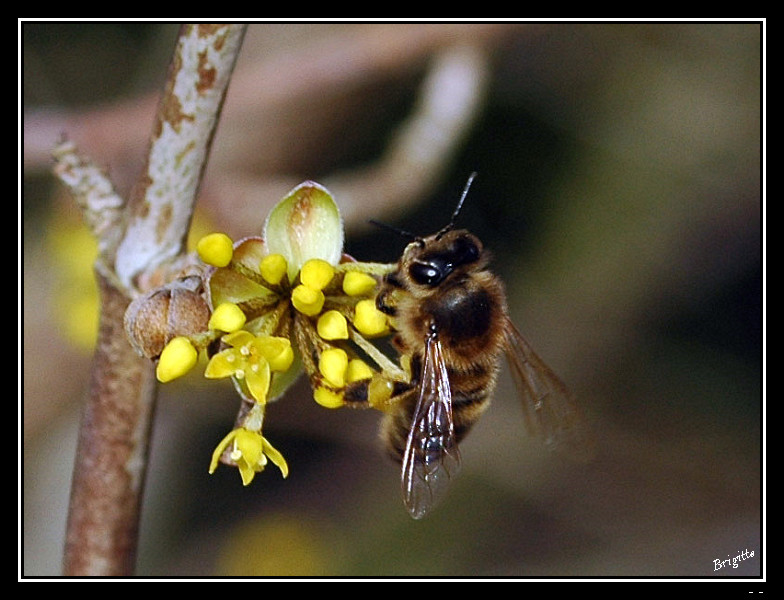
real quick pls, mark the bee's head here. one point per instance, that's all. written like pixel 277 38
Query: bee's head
pixel 429 261
pixel 432 260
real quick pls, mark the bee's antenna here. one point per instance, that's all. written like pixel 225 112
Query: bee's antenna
pixel 451 223
pixel 402 232
pixel 471 178
pixel 415 238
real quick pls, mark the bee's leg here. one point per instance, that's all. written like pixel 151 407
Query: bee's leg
pixel 383 302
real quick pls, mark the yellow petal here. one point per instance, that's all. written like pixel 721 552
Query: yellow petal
pixel 246 472
pixel 223 364
pixel 257 376
pixel 283 361
pixel 277 351
pixel 251 446
pixel 276 458
pixel 271 347
pixel 224 443
pixel 238 338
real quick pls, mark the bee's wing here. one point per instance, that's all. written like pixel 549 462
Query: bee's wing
pixel 431 457
pixel 550 410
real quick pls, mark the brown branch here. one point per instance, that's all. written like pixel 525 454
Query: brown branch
pixel 101 537
pixel 161 203
pixel 102 532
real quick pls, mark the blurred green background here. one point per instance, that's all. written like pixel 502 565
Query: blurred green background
pixel 619 189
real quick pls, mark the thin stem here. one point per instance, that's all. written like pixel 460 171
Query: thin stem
pixel 102 532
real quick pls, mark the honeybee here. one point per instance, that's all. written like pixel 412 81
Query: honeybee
pixel 452 322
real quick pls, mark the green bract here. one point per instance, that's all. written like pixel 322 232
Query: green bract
pixel 305 224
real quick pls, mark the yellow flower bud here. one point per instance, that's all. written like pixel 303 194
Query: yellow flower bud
pixel 227 317
pixel 333 364
pixel 368 319
pixel 307 300
pixel 332 326
pixel 215 249
pixel 273 268
pixel 327 398
pixel 178 357
pixel 316 273
pixel 358 370
pixel 356 283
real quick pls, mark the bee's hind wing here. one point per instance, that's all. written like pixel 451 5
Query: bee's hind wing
pixel 550 410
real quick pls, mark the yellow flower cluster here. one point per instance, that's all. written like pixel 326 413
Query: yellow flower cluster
pixel 281 305
pixel 334 304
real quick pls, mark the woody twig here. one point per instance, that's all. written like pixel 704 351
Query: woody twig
pixel 137 238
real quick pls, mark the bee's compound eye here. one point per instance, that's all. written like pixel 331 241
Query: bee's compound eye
pixel 464 252
pixel 426 273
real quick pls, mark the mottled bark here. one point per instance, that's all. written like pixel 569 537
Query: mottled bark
pixel 112 453
pixel 137 241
